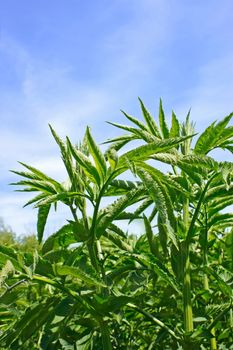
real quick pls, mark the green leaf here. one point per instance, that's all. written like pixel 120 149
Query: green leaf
pixel 112 303
pixel 150 235
pixel 7 253
pixel 63 270
pixel 37 185
pixel 147 151
pixel 211 137
pixel 10 296
pixel 117 230
pixel 162 121
pixel 152 126
pixel 36 199
pixel 139 134
pixel 219 204
pixel 30 322
pixel 163 235
pixel 43 213
pixel 65 153
pixel 175 128
pixel 97 155
pixel 38 175
pixel 191 229
pixel 141 125
pixel 166 179
pixel 162 200
pixel 112 157
pixel 121 140
pixel 63 196
pixel 110 213
pixel 85 163
pixel 124 185
pixel 151 261
pixel 141 208
pixel 62 238
pixel 223 285
pixel 219 218
pixel 118 241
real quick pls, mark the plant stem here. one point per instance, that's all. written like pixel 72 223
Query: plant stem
pixel 231 322
pixel 91 243
pixel 93 246
pixel 106 341
pixel 213 341
pixel 187 301
pixel 231 318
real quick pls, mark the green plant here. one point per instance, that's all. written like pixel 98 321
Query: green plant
pixel 95 286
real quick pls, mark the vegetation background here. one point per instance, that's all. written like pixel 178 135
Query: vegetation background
pixel 92 285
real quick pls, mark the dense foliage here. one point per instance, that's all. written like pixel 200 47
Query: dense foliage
pixel 94 286
pixel 20 242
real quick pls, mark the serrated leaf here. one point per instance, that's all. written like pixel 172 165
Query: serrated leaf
pixel 63 270
pixel 146 151
pixel 43 213
pixel 145 204
pixel 38 175
pixel 162 121
pixel 118 241
pixel 162 200
pixel 111 212
pixel 150 260
pixel 35 199
pixel 85 163
pixel 150 235
pixel 124 139
pixel 166 179
pixel 211 137
pixel 220 218
pixel 175 128
pixel 97 155
pixel 32 319
pixel 137 122
pixel 151 124
pixel 36 185
pixel 65 153
pixel 117 230
pixel 63 196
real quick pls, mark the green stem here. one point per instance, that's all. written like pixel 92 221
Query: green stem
pixel 93 246
pixel 91 243
pixel 187 300
pixel 106 341
pixel 231 318
pixel 93 254
pixel 213 341
pixel 231 322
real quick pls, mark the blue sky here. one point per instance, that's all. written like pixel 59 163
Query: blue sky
pixel 72 63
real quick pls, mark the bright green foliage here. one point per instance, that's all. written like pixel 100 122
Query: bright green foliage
pixel 95 286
